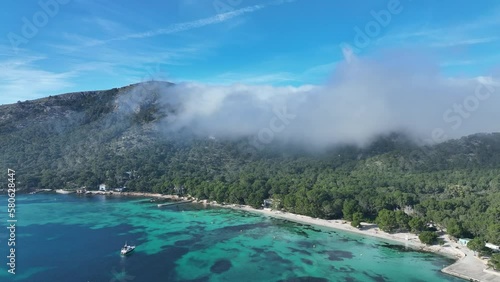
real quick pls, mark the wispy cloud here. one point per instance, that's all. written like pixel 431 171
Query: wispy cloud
pixel 311 75
pixel 460 42
pixel 479 31
pixel 460 63
pixel 436 38
pixel 321 70
pixel 179 27
pixel 103 24
pixel 254 78
pixel 22 79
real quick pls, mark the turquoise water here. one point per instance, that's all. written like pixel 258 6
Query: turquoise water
pixel 77 238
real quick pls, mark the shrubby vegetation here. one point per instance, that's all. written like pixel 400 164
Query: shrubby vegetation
pixel 454 185
pixel 495 261
pixel 428 237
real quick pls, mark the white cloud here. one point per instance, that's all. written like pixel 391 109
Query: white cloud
pixel 21 80
pixel 314 73
pixel 480 31
pixel 105 24
pixel 321 70
pixel 459 42
pixel 257 78
pixel 363 99
pixel 179 27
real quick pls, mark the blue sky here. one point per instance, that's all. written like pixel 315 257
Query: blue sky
pixel 84 45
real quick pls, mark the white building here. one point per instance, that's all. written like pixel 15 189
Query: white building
pixel 122 189
pixel 493 247
pixel 464 241
pixel 102 187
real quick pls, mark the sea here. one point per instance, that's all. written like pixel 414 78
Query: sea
pixel 78 238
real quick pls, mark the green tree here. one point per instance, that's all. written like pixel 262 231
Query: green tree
pixel 428 237
pixel 495 261
pixel 386 220
pixel 493 232
pixel 349 208
pixel 402 220
pixel 417 224
pixel 476 244
pixel 454 228
pixel 357 217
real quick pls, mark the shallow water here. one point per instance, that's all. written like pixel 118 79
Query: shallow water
pixel 78 238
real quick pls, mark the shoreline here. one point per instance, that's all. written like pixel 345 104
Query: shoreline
pixel 466 266
pixel 368 229
pixel 409 239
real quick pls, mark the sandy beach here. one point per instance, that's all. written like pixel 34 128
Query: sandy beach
pixel 467 265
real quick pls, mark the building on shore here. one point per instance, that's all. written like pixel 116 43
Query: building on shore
pixel 271 204
pixel 81 190
pixel 493 247
pixel 103 187
pixel 122 189
pixel 268 203
pixel 464 241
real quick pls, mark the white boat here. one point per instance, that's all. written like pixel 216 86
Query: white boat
pixel 62 191
pixel 126 249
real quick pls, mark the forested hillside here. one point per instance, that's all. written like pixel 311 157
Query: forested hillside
pixel 88 138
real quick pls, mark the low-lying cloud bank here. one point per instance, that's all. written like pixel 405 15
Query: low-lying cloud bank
pixel 363 99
